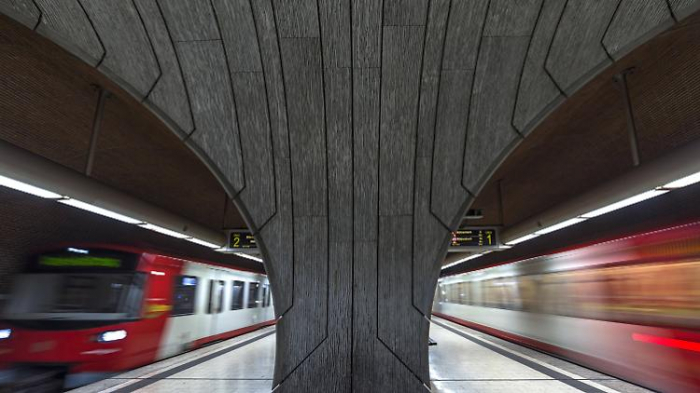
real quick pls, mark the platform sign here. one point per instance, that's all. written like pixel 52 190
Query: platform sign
pixel 242 240
pixel 471 238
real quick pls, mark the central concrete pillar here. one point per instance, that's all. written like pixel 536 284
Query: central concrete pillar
pixel 350 241
pixel 354 247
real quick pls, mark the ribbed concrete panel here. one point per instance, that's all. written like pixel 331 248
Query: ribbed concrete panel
pixel 429 247
pixel 272 66
pixel 130 55
pixel 336 31
pixel 297 18
pixel 169 97
pixel 305 107
pixel 463 34
pixel 452 115
pixel 401 64
pixel 66 23
pixel 430 242
pixel 683 8
pixel 310 293
pixel 319 373
pixel 23 11
pixel 366 33
pixel 405 12
pixel 366 97
pixel 432 61
pixel 511 18
pixel 428 228
pixel 340 161
pixel 364 316
pixel 280 265
pixel 190 20
pixel 337 77
pixel 398 323
pixel 538 92
pixel 209 86
pixel 256 144
pixel 281 272
pixel 633 21
pixel 576 52
pixel 490 133
pixel 235 19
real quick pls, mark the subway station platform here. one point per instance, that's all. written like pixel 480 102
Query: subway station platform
pixel 464 360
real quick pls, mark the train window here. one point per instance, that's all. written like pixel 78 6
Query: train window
pixel 216 297
pixel 253 293
pixel 268 297
pixel 237 295
pixel 184 296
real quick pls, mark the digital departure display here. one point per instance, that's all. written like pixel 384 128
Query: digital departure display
pixel 242 240
pixel 83 259
pixel 79 261
pixel 474 237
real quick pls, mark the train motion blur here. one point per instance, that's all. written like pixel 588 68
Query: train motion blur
pixel 86 313
pixel 628 307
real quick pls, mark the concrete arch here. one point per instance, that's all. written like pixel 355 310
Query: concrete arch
pixel 352 135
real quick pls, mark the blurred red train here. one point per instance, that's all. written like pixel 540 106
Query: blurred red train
pixel 629 307
pixel 83 314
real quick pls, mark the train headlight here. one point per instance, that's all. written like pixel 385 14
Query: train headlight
pixel 5 333
pixel 112 335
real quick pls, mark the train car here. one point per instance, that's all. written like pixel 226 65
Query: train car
pixel 628 307
pixel 86 313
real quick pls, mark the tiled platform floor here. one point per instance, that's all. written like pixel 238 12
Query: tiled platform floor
pixel 463 361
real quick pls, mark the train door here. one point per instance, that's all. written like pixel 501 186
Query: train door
pixel 215 304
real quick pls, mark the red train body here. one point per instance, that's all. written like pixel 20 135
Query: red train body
pixel 92 312
pixel 628 307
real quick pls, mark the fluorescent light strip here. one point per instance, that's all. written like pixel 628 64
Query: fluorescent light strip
pixel 561 225
pixel 683 182
pixel 624 203
pixel 203 242
pixel 98 210
pixel 40 192
pixel 521 239
pixel 244 255
pixel 29 189
pixel 469 258
pixel 608 209
pixel 164 231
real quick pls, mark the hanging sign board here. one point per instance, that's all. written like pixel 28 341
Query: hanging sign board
pixel 241 240
pixel 470 238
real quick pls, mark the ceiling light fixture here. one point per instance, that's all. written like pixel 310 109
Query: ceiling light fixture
pixel 561 225
pixel 684 182
pixel 521 239
pixel 243 255
pixel 624 203
pixel 164 231
pixel 203 242
pixel 98 210
pixel 469 258
pixel 27 188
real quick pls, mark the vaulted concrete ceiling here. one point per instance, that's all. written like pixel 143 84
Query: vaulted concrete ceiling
pixel 353 135
pixel 584 142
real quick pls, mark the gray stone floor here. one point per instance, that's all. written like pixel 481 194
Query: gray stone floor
pixel 457 364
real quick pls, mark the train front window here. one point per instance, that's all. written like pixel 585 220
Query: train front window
pixel 76 296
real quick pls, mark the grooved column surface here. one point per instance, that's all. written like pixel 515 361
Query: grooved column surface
pixel 352 135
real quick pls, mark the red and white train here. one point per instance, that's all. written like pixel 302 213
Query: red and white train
pixel 629 307
pixel 91 312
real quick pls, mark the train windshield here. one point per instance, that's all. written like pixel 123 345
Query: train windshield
pixel 99 286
